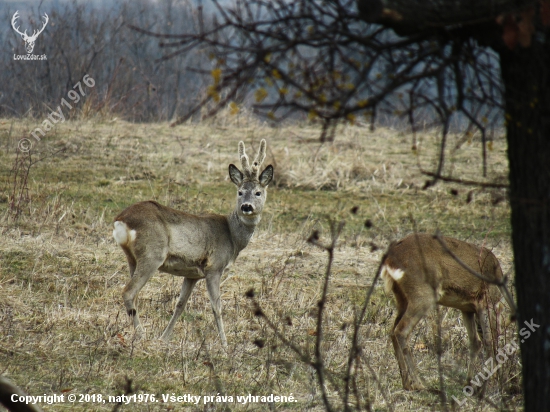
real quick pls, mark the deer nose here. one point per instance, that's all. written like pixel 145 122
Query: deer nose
pixel 247 208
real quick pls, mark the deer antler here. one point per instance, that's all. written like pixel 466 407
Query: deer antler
pixel 13 20
pixel 260 157
pixel 37 32
pixel 244 159
pixel 248 170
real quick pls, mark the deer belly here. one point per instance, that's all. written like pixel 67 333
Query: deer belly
pixel 456 298
pixel 178 267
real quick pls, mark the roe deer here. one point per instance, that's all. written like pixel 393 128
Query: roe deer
pixel 195 247
pixel 422 273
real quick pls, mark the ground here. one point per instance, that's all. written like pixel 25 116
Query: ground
pixel 63 327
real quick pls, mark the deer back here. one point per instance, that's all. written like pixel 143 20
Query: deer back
pixel 156 229
pixel 419 260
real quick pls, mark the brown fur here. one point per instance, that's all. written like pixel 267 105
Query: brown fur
pixel 155 237
pixel 428 275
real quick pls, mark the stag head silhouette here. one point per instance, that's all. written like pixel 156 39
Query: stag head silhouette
pixel 29 40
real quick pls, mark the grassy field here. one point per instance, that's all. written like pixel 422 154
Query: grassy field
pixel 63 327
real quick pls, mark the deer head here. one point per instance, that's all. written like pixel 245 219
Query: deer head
pixel 251 184
pixel 29 40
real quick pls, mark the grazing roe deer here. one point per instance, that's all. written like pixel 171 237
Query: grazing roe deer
pixel 421 274
pixel 195 247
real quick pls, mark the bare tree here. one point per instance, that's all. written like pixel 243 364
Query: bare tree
pixel 481 65
pixel 517 32
pixel 82 39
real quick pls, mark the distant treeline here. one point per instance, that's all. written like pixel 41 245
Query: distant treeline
pixel 94 39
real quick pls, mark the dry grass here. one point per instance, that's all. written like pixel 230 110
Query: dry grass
pixel 63 327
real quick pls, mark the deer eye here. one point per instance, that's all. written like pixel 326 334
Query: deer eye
pixel 258 194
pixel 240 193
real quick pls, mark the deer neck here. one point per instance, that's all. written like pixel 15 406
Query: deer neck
pixel 241 230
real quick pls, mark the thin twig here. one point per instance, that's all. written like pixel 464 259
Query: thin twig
pixel 464 181
pixel 354 350
pixel 319 364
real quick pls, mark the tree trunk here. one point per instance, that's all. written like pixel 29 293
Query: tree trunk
pixel 526 77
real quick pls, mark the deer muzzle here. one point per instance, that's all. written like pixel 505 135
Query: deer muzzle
pixel 247 208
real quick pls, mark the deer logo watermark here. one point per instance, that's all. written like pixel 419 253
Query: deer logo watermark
pixel 29 40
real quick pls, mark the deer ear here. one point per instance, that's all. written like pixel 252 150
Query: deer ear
pixel 266 176
pixel 235 175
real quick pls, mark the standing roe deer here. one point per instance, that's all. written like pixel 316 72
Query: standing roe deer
pixel 195 247
pixel 421 274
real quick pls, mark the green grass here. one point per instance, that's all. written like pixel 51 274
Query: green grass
pixel 63 325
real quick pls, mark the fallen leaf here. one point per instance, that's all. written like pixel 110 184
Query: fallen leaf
pixel 420 347
pixel 121 339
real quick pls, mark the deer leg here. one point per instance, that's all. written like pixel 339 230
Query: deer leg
pixel 483 318
pixel 401 304
pixel 475 344
pixel 144 270
pixel 407 318
pixel 131 261
pixel 213 287
pixel 186 289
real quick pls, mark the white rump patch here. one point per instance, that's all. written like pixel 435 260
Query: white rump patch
pixel 122 234
pixel 396 274
pixel 390 275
